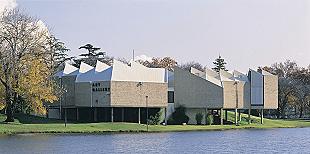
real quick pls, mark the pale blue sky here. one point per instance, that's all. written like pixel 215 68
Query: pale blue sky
pixel 247 33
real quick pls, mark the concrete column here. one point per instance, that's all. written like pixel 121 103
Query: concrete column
pixel 77 114
pixel 166 118
pixel 239 115
pixel 249 116
pixel 106 110
pixel 47 110
pixel 95 115
pixel 236 118
pixel 112 115
pixel 206 115
pixel 122 114
pixel 262 116
pixel 139 116
pixel 222 116
pixel 226 115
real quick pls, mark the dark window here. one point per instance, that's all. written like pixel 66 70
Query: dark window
pixel 105 89
pixel 108 89
pixel 170 96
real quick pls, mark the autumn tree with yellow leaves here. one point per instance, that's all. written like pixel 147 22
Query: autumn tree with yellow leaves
pixel 26 59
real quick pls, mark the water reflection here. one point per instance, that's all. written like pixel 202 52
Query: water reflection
pixel 293 140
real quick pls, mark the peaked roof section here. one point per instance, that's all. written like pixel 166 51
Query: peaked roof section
pixel 136 72
pixel 102 72
pixel 211 73
pixel 100 66
pixel 266 73
pixel 85 67
pixel 226 76
pixel 69 70
pixel 240 76
pixel 198 72
pixel 85 73
pixel 213 77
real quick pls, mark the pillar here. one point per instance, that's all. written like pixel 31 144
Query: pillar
pixel 106 110
pixel 95 115
pixel 122 114
pixel 262 116
pixel 166 118
pixel 206 115
pixel 112 118
pixel 239 115
pixel 47 110
pixel 249 116
pixel 236 121
pixel 77 114
pixel 226 115
pixel 139 116
pixel 222 116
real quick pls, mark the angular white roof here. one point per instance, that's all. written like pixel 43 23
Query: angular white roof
pixel 198 72
pixel 218 78
pixel 266 73
pixel 136 72
pixel 85 68
pixel 102 72
pixel 121 72
pixel 69 70
pixel 100 66
pixel 240 76
pixel 226 76
pixel 213 77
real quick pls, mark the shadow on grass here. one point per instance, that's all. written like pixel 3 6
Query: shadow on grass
pixel 31 119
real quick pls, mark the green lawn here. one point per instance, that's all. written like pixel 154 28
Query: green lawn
pixel 32 124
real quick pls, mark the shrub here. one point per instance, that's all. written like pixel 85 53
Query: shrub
pixel 199 117
pixel 209 119
pixel 179 116
pixel 155 119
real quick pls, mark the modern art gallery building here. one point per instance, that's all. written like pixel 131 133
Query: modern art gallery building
pixel 128 93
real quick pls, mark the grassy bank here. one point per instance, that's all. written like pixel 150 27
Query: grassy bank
pixel 32 124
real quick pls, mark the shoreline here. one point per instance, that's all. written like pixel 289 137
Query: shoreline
pixel 26 124
pixel 154 129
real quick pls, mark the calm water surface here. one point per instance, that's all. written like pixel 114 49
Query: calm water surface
pixel 294 140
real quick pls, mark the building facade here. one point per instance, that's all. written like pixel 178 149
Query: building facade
pixel 122 92
pixel 111 93
pixel 202 92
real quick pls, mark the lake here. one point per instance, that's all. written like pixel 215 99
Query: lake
pixel 293 140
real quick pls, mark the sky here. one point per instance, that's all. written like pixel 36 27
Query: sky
pixel 246 33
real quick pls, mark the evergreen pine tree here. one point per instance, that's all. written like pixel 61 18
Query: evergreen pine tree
pixel 219 64
pixel 91 56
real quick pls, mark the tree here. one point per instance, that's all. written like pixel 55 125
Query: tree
pixel 188 65
pixel 302 92
pixel 36 86
pixel 2 96
pixel 23 54
pixel 92 56
pixel 219 64
pixel 165 62
pixel 293 86
pixel 57 53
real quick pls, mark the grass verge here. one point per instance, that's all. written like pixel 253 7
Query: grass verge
pixel 33 124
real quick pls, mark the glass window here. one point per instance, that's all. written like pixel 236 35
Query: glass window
pixel 170 96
